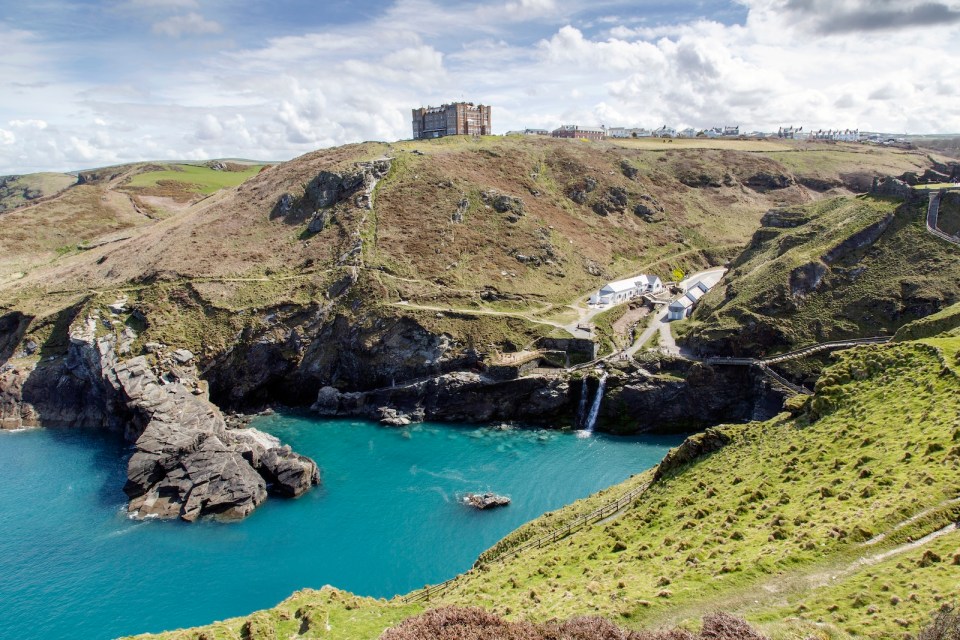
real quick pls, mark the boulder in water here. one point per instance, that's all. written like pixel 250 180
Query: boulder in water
pixel 485 500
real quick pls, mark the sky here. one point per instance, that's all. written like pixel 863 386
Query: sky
pixel 89 83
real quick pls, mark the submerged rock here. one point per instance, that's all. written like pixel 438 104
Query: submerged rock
pixel 485 500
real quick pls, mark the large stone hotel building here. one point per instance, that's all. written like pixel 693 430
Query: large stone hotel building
pixel 456 119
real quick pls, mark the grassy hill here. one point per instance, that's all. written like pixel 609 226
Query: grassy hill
pixel 839 268
pixel 182 182
pixel 834 521
pixel 578 214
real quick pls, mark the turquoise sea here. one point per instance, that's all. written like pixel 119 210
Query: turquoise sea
pixel 385 521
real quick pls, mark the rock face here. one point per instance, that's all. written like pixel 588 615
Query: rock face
pixel 678 396
pixel 186 463
pixel 454 397
pixel 667 396
pixel 310 350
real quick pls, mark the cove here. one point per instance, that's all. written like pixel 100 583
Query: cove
pixel 385 521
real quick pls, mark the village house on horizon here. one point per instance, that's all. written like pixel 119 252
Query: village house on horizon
pixel 576 131
pixel 627 289
pixel 454 119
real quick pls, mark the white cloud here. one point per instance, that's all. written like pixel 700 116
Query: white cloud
pixel 288 95
pixel 161 4
pixel 28 124
pixel 525 9
pixel 187 24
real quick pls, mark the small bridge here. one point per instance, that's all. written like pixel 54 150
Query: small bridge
pixel 764 363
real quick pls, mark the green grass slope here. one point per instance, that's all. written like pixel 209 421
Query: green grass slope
pixel 949 215
pixel 839 268
pixel 946 321
pixel 815 524
pixel 192 178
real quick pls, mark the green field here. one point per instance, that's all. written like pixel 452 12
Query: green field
pixel 202 179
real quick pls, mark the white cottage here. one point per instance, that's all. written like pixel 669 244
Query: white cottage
pixel 683 306
pixel 627 289
pixel 617 292
pixel 680 308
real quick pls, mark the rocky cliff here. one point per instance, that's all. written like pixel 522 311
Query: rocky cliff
pixel 186 463
pixel 664 395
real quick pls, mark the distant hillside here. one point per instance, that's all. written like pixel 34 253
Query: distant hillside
pixel 17 191
pixel 947 145
pixel 840 268
pixel 834 522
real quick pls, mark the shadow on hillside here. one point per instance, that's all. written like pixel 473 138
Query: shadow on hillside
pixel 13 326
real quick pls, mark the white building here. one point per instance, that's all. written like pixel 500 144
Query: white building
pixel 838 135
pixel 528 132
pixel 627 289
pixel 689 132
pixel 665 132
pixel 683 306
pixel 680 308
pixel 649 284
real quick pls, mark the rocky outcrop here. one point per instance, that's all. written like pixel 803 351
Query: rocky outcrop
pixel 807 278
pixel 186 463
pixel 649 209
pixel 891 187
pixel 820 185
pixel 462 206
pixel 454 397
pixel 677 396
pixel 502 203
pixel 765 181
pixel 578 193
pixel 691 449
pixel 860 240
pixel 783 219
pixel 614 200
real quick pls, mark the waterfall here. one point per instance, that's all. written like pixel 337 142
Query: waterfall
pixel 582 411
pixel 595 407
